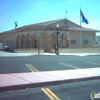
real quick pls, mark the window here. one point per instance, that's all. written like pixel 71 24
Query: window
pixel 85 41
pixel 73 41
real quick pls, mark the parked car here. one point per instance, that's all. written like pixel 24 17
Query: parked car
pixel 96 45
pixel 4 47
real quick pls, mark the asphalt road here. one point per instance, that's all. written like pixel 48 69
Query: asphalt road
pixel 71 91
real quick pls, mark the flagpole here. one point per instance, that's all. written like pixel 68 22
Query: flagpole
pixel 66 15
pixel 66 18
pixel 80 30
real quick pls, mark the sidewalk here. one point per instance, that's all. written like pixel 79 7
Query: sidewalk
pixel 7 54
pixel 17 81
pixel 62 51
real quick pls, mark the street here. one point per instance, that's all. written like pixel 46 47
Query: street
pixel 71 91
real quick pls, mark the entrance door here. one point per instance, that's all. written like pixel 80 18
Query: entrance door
pixel 45 45
pixel 63 43
pixel 44 41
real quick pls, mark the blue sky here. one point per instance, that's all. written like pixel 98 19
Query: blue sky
pixel 34 11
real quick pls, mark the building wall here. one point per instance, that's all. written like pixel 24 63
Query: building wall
pixel 74 39
pixel 88 38
pixel 98 40
pixel 8 39
pixel 47 39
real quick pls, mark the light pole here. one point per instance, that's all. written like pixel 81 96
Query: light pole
pixel 15 35
pixel 57 33
pixel 38 35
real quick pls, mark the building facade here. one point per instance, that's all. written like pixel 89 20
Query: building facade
pixel 44 35
pixel 98 40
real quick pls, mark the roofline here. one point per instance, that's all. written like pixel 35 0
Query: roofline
pixel 74 23
pixel 52 22
pixel 55 21
pixel 83 29
pixel 61 20
pixel 91 29
pixel 37 24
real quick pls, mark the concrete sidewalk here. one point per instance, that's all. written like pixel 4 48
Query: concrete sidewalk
pixel 6 54
pixel 16 81
pixel 9 54
pixel 61 50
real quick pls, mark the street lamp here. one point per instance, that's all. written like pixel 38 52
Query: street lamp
pixel 38 35
pixel 57 33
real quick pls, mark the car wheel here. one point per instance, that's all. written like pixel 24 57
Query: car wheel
pixel 7 49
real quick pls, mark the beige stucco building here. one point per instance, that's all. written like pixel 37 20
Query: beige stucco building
pixel 44 35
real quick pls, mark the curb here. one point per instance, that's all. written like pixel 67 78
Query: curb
pixel 41 84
